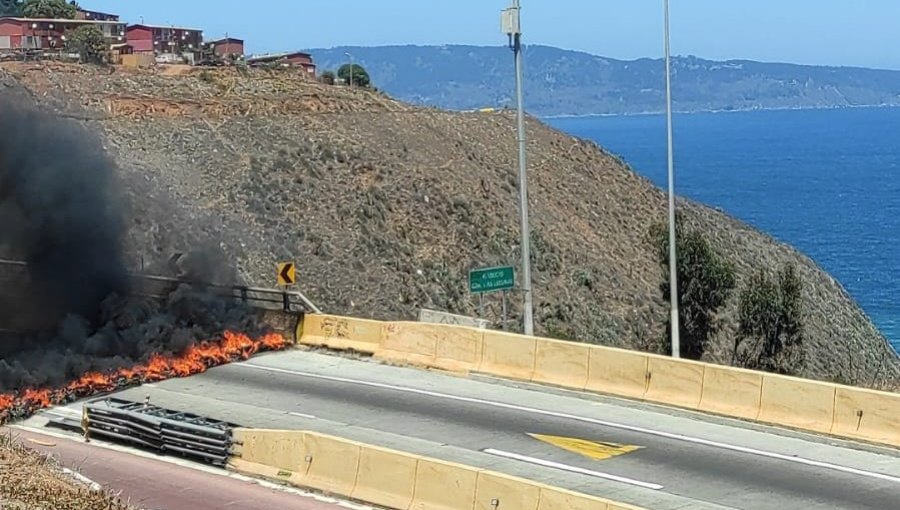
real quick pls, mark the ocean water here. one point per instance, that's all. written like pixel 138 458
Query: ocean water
pixel 824 181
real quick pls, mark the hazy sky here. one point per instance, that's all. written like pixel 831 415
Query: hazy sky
pixel 838 32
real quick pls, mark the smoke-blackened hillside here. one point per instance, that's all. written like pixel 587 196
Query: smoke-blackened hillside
pixel 385 207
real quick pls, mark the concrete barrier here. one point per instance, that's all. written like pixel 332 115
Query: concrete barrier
pixel 458 348
pixel 340 333
pixel 444 486
pixel 675 382
pixel 731 392
pixel 561 363
pixel 507 491
pixel 394 479
pixel 385 478
pixel 558 499
pixel 797 403
pixel 331 465
pixel 409 342
pixel 868 415
pixel 617 372
pixel 508 355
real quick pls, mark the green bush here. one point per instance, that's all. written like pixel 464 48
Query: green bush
pixel 360 77
pixel 88 41
pixel 705 281
pixel 770 333
pixel 327 78
pixel 59 9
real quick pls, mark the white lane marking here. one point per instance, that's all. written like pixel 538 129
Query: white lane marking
pixel 80 478
pixel 199 467
pixel 572 469
pixel 642 430
pixel 302 415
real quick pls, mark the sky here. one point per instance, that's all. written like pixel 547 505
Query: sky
pixel 828 32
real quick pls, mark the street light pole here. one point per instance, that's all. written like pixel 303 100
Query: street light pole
pixel 512 27
pixel 673 259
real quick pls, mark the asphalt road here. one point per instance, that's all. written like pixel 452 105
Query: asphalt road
pixel 156 485
pixel 645 455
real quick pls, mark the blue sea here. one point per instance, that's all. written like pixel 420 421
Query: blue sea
pixel 824 181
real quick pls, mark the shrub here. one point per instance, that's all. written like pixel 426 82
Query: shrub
pixel 360 77
pixel 88 41
pixel 705 281
pixel 327 78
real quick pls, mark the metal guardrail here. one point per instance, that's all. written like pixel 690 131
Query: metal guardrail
pixel 161 286
pixel 170 432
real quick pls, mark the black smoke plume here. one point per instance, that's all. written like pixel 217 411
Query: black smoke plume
pixel 62 212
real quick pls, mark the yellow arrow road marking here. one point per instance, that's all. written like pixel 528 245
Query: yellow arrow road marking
pixel 596 450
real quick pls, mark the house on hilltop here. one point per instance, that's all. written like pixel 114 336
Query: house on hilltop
pixel 288 59
pixel 50 34
pixel 164 41
pixel 226 46
pixel 84 14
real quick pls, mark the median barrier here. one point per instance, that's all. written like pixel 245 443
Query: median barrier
pixel 552 498
pixel 617 372
pixel 276 451
pixel 797 403
pixel 674 382
pixel 506 491
pixel 340 333
pixel 409 342
pixel 385 478
pixel 731 392
pixel 561 363
pixel 444 486
pixel 331 463
pixel 458 348
pixel 508 355
pixel 867 414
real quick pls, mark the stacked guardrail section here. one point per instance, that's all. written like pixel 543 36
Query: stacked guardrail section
pixel 845 411
pixel 150 427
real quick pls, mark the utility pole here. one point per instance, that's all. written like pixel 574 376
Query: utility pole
pixel 511 22
pixel 673 258
pixel 351 67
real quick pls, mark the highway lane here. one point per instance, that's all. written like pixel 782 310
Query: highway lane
pixel 157 485
pixel 683 460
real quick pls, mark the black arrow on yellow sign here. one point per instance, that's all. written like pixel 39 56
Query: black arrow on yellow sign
pixel 287 273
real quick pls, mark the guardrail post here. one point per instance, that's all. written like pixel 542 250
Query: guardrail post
pixel 286 301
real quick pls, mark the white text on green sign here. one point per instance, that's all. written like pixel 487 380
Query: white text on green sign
pixel 491 279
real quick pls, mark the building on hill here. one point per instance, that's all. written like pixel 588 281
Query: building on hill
pixel 50 34
pixel 165 41
pixel 227 46
pixel 84 14
pixel 288 59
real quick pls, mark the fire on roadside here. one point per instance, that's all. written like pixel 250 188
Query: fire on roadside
pixel 196 359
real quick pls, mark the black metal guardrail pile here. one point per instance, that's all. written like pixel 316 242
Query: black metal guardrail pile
pixel 169 432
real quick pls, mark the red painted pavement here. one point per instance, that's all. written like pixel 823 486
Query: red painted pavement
pixel 157 485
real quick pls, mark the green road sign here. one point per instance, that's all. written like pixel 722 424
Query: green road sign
pixel 491 278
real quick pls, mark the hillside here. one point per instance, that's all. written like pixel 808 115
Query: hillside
pixel 385 206
pixel 563 82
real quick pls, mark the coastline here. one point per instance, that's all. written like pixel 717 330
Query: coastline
pixel 691 112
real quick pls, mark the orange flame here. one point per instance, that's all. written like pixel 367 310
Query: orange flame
pixel 196 359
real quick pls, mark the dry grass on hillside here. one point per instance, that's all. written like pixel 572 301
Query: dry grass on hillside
pixel 386 206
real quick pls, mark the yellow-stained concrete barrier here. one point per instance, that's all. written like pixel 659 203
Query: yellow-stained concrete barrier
pixel 509 492
pixel 410 342
pixel 552 498
pixel 798 403
pixel 444 486
pixel 332 464
pixel 617 372
pixel 385 477
pixel 340 333
pixel 674 381
pixel 458 348
pixel 867 414
pixel 731 391
pixel 280 449
pixel 508 355
pixel 561 363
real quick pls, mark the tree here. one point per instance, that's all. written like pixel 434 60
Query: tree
pixel 359 74
pixel 771 323
pixel 327 78
pixel 59 9
pixel 89 42
pixel 10 8
pixel 705 281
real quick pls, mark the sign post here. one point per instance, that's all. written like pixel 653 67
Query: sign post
pixel 491 279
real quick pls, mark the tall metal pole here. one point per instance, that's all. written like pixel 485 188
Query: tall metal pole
pixel 673 259
pixel 349 56
pixel 527 306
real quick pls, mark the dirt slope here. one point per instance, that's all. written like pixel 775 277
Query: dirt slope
pixel 385 207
